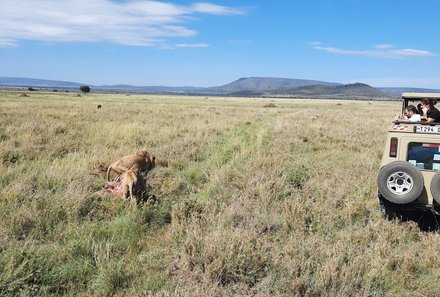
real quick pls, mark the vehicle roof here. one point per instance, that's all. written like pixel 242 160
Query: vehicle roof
pixel 416 96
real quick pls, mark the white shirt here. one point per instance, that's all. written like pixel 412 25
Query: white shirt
pixel 415 118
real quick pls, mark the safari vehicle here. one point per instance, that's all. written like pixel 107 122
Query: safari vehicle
pixel 409 178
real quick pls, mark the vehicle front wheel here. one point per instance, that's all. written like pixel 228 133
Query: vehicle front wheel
pixel 400 182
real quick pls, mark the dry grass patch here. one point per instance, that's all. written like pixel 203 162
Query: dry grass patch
pixel 254 201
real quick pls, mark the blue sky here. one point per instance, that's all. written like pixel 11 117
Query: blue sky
pixel 189 43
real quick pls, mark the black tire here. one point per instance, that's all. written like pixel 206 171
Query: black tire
pixel 400 182
pixel 435 187
pixel 388 211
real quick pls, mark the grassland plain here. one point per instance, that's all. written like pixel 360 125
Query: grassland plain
pixel 255 201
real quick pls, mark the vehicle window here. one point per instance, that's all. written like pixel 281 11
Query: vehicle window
pixel 424 155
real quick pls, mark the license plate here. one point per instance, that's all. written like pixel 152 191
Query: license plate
pixel 427 129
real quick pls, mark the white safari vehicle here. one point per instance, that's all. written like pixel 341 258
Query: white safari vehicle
pixel 409 177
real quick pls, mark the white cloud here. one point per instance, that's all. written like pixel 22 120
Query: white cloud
pixel 136 22
pixel 7 43
pixel 379 51
pixel 215 9
pixel 314 43
pixel 383 46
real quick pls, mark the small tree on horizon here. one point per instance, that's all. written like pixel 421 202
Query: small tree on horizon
pixel 84 89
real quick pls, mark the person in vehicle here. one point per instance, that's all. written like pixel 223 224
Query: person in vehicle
pixel 412 114
pixel 430 113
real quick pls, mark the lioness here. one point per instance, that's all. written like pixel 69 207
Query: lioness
pixel 133 184
pixel 143 161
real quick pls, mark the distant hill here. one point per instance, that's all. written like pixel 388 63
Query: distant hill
pixel 150 89
pixel 396 91
pixel 246 86
pixel 35 82
pixel 242 84
pixel 350 91
pixel 266 84
pixel 44 83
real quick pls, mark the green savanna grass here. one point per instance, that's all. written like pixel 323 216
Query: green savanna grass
pixel 256 201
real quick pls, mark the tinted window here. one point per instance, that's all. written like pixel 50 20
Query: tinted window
pixel 424 155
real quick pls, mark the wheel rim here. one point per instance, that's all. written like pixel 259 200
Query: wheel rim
pixel 400 183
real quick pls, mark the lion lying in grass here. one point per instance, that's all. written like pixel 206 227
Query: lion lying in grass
pixel 143 161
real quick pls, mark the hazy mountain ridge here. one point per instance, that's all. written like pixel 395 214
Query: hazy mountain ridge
pixel 350 91
pixel 44 83
pixel 397 91
pixel 356 91
pixel 245 86
pixel 267 83
pixel 36 82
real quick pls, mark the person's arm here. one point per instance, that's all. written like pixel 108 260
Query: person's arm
pixel 425 110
